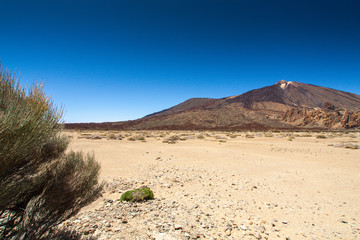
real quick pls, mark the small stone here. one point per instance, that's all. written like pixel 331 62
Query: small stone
pixel 178 227
pixel 243 227
pixel 257 235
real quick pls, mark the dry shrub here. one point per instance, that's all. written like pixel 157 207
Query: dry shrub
pixel 40 184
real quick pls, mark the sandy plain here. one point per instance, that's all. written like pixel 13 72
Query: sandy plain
pixel 222 185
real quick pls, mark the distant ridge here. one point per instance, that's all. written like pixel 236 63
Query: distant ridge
pixel 284 105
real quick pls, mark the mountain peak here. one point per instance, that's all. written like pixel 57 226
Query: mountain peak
pixel 283 84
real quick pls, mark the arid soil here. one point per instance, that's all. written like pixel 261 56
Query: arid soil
pixel 221 185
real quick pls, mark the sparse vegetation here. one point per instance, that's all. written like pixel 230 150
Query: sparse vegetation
pixel 172 139
pixel 321 137
pixel 249 136
pixel 268 134
pixel 306 135
pixel 40 184
pixel 351 146
pixel 141 138
pixel 291 138
pixel 111 136
pixel 200 136
pixel 137 195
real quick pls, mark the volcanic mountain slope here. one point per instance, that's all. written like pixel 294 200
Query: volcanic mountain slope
pixel 284 105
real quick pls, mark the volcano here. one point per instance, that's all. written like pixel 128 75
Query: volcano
pixel 284 105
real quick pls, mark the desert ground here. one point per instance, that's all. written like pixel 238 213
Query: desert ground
pixel 224 185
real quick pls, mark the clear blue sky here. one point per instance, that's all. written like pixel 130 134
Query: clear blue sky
pixel 122 59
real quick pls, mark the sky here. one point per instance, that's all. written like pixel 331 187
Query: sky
pixel 116 60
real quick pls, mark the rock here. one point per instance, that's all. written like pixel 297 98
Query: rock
pixel 243 227
pixel 262 229
pixel 257 235
pixel 178 227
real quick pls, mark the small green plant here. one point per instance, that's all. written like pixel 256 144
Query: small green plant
pixel 351 146
pixel 306 135
pixel 269 134
pixel 172 139
pixel 249 136
pixel 321 136
pixel 137 195
pixel 111 136
pixel 200 136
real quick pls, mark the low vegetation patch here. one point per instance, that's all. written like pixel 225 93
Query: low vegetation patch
pixel 249 136
pixel 306 135
pixel 268 134
pixel 321 137
pixel 137 195
pixel 200 136
pixel 351 146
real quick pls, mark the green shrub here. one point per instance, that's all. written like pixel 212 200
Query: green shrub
pixel 200 136
pixel 141 138
pixel 137 195
pixel 321 136
pixel 351 146
pixel 249 136
pixel 269 134
pixel 306 135
pixel 40 184
pixel 111 136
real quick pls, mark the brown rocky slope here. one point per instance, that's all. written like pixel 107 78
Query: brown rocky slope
pixel 284 105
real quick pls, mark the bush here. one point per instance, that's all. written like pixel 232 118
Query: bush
pixel 111 136
pixel 137 195
pixel 40 184
pixel 249 136
pixel 66 234
pixel 200 136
